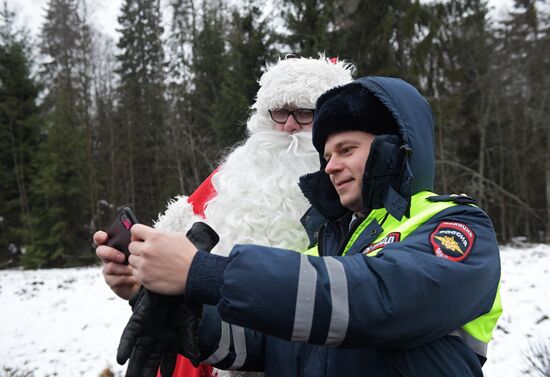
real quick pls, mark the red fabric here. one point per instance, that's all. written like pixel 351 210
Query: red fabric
pixel 184 368
pixel 202 195
pixel 198 200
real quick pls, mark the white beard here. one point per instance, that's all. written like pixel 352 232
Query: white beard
pixel 258 200
pixel 257 195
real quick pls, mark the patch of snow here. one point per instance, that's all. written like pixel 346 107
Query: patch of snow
pixel 59 322
pixel 525 322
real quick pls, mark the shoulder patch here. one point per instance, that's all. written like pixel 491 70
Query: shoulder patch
pixel 390 238
pixel 452 240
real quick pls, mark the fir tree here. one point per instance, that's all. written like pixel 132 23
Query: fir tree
pixel 208 66
pixel 521 117
pixel 181 138
pixel 19 133
pixel 59 189
pixel 248 49
pixel 310 24
pixel 382 38
pixel 141 145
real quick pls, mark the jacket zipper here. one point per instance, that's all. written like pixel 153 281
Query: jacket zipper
pixel 344 242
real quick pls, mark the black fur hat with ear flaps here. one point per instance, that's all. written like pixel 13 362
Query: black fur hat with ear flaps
pixel 350 108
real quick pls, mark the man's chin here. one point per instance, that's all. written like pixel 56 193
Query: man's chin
pixel 353 204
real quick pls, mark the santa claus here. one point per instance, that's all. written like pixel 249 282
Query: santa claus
pixel 253 197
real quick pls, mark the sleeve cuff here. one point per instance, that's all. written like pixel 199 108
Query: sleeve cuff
pixel 205 278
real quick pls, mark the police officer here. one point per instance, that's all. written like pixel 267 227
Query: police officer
pixel 403 282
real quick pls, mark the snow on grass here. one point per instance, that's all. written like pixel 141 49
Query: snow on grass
pixel 525 322
pixel 66 322
pixel 61 322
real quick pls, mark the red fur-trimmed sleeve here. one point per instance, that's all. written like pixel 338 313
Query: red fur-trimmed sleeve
pixel 202 195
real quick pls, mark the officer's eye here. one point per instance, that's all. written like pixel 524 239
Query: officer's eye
pixel 347 150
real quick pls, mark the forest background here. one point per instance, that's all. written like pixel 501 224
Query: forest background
pixel 88 125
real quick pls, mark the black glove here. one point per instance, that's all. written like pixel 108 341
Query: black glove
pixel 163 326
pixel 146 337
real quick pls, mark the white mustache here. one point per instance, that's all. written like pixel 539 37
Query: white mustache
pixel 299 143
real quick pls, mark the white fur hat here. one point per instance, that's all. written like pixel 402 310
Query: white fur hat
pixel 296 81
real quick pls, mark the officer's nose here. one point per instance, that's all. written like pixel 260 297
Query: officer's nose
pixel 333 166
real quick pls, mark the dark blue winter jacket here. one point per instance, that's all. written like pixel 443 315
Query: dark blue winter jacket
pixel 395 312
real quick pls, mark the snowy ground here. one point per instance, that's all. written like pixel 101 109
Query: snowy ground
pixel 67 322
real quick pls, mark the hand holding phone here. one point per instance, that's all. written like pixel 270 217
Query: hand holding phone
pixel 119 232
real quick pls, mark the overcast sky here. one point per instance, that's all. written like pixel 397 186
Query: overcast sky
pixel 30 13
pixel 104 13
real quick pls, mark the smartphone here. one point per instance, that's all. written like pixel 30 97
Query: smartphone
pixel 119 231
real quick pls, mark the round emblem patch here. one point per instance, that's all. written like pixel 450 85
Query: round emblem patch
pixel 452 240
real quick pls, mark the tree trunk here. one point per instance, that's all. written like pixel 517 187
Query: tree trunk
pixel 19 169
pixel 176 143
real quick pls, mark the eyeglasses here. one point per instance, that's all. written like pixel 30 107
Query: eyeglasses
pixel 301 116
